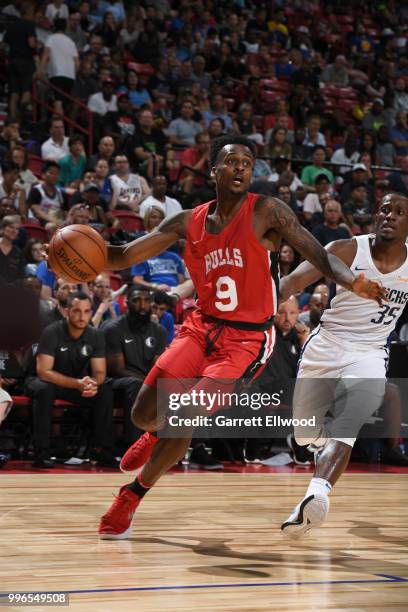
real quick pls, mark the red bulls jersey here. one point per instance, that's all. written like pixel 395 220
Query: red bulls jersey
pixel 235 277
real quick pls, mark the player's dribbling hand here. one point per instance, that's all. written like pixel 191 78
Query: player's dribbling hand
pixel 369 289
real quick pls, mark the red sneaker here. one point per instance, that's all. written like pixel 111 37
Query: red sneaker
pixel 138 453
pixel 116 523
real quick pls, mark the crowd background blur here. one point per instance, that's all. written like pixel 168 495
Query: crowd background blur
pixel 108 110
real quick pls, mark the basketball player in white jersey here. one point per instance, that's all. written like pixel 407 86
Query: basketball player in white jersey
pixel 128 189
pixel 349 344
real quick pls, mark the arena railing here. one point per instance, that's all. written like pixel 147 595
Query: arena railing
pixel 38 102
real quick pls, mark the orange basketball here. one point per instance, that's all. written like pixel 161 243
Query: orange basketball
pixel 77 253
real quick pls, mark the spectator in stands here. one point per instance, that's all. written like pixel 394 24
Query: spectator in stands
pixel 22 42
pixel 375 117
pixel 85 84
pixel 56 10
pixel 104 101
pixel 158 196
pixel 278 145
pixel 310 173
pixel 138 95
pixel 314 202
pixel 148 145
pixel 104 308
pixel 12 262
pixel 9 187
pixel 336 73
pixel 398 181
pixel 202 77
pixel 128 189
pixel 317 303
pixel 56 146
pixel 244 123
pixel 331 229
pixel 358 210
pixel 358 175
pixel 313 135
pixel 218 110
pixel 71 365
pixel 106 151
pixel 61 293
pixel 133 343
pixel 60 55
pixel 286 195
pixel 75 32
pixel 45 199
pixel 197 158
pixel 385 150
pixel 287 260
pixel 77 215
pixel 72 166
pixel 401 96
pixel 161 272
pixel 33 255
pixel 399 134
pixel 183 130
pixel 121 123
pixel 10 137
pixel 102 181
pixel 216 128
pixel 161 306
pixel 348 155
pixel 368 143
pixel 26 179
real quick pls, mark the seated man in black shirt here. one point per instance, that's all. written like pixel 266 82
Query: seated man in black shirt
pixel 331 229
pixel 133 343
pixel 71 365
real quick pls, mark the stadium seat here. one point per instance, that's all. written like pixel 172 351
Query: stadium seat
pixel 34 230
pixel 129 221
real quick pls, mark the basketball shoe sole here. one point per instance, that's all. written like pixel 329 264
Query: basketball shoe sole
pixel 311 513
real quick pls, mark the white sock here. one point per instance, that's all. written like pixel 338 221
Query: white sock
pixel 318 486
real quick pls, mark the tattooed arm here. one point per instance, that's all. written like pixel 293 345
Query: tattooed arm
pixel 167 233
pixel 283 221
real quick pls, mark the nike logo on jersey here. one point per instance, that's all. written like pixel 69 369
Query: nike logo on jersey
pixel 360 269
pixel 127 340
pixel 63 348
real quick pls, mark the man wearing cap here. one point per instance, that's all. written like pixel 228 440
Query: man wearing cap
pixel 358 176
pixel 376 117
pixel 133 343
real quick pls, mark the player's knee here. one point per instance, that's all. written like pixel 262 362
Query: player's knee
pixel 143 421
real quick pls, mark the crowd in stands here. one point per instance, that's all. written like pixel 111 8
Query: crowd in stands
pixel 112 108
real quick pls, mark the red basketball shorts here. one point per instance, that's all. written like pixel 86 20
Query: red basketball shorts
pixel 235 354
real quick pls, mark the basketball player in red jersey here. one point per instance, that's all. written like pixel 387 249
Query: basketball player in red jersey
pixel 231 253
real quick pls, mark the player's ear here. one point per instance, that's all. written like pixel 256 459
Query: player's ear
pixel 212 173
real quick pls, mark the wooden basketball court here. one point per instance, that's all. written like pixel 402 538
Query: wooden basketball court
pixel 207 541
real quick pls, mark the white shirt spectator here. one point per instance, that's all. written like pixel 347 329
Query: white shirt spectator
pixel 295 184
pixel 53 150
pixel 340 157
pixel 62 56
pixel 184 130
pixel 170 205
pixel 98 104
pixel 56 12
pixel 311 204
pixel 128 192
pixel 321 141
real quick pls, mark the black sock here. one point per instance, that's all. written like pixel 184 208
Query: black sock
pixel 138 488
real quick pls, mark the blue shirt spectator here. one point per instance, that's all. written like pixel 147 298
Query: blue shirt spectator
pixel 45 275
pixel 164 269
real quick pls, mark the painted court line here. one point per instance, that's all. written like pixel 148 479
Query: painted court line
pixel 383 578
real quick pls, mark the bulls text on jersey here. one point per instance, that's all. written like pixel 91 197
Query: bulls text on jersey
pixel 223 257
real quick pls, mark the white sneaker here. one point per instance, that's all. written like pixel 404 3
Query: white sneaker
pixel 311 512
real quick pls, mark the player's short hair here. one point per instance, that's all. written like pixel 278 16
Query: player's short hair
pixel 223 141
pixel 78 295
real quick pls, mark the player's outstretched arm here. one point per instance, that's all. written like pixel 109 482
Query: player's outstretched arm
pixel 282 220
pixel 167 233
pixel 306 273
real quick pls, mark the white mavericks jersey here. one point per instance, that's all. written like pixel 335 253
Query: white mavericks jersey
pixel 363 322
pixel 126 191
